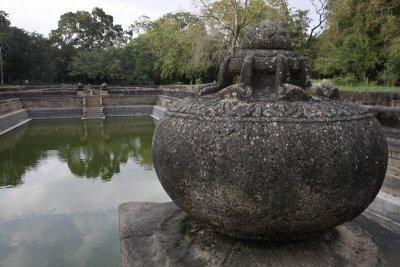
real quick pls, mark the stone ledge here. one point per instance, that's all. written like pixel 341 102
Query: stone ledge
pixel 388 117
pixel 13 120
pixel 55 113
pixel 161 235
pixel 15 126
pixel 158 112
pixel 385 210
pixel 126 111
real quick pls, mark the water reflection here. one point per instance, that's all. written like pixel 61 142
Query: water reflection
pixel 62 183
pixel 93 150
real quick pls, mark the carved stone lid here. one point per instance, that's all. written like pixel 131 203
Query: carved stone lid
pixel 268 35
pixel 298 111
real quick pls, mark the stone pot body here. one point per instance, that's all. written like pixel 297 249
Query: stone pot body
pixel 270 171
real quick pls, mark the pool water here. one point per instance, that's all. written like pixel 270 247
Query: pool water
pixel 61 182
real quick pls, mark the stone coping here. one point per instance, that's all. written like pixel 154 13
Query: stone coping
pixel 12 120
pixel 389 117
pixel 386 211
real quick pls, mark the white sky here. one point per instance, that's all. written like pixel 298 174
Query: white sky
pixel 41 16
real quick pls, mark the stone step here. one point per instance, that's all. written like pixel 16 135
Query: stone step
pixel 52 113
pixel 386 211
pixel 11 120
pixel 394 162
pixel 93 113
pixel 93 105
pixel 391 133
pixel 94 118
pixel 392 184
pixel 394 155
pixel 393 170
pixel 394 144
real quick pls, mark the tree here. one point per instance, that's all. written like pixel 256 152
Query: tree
pixel 29 56
pixel 114 64
pixel 360 40
pixel 297 24
pixel 172 48
pixel 16 46
pixel 321 8
pixel 4 22
pixel 229 19
pixel 391 71
pixel 86 31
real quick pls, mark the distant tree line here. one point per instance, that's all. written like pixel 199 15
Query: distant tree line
pixel 361 41
pixel 358 40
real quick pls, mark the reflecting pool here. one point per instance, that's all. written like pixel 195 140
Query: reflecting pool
pixel 61 182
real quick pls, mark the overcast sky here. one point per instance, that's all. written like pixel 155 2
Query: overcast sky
pixel 41 16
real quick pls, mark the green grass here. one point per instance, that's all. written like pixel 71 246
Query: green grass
pixel 369 88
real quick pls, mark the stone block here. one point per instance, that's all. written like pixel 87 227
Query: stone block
pixel 162 235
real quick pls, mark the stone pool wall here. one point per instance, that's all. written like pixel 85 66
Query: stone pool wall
pixel 13 120
pixel 374 98
pixel 123 111
pixel 61 103
pixel 55 113
pixel 392 182
pixel 386 207
pixel 388 117
pixel 10 105
pixel 52 102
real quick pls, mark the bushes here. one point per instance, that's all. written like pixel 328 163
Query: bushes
pixel 361 39
pixel 391 72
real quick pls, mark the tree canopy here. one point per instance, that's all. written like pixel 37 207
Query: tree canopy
pixel 362 40
pixel 351 38
pixel 26 56
pixel 87 31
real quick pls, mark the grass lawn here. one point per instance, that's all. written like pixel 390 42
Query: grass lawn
pixel 365 88
pixel 370 88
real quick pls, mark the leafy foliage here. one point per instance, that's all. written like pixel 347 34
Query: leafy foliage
pixel 87 31
pixel 361 39
pixel 354 39
pixel 27 56
pixel 229 19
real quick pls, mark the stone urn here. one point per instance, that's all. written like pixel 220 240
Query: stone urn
pixel 80 89
pixel 263 154
pixel 104 89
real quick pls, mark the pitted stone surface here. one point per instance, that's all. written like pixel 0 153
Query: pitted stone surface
pixel 320 110
pixel 273 180
pixel 267 35
pixel 162 235
pixel 262 67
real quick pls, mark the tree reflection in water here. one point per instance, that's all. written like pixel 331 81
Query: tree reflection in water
pixel 92 149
